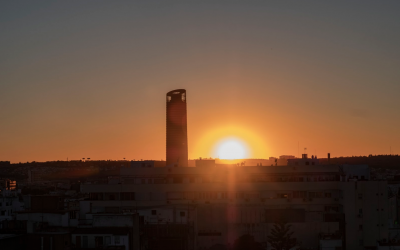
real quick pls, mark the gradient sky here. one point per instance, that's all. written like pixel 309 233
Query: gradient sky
pixel 89 78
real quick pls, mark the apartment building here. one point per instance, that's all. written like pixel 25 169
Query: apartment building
pixel 10 200
pixel 326 206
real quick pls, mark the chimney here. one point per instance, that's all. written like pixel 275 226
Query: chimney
pixel 329 157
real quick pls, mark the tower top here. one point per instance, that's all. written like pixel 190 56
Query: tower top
pixel 176 95
pixel 176 92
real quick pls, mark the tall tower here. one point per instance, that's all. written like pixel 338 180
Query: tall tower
pixel 177 149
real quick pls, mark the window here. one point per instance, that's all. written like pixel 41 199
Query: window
pixel 299 194
pixel 182 214
pixel 284 195
pixel 153 212
pixel 107 240
pixel 331 208
pixel 328 195
pixel 178 180
pixel 85 242
pixel 72 214
pixel 360 227
pixel 116 239
pixel 98 241
pixel 128 196
pixel 360 196
pixel 78 241
pixel 96 196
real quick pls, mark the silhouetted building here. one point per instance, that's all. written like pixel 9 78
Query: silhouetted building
pixel 177 149
pixel 4 163
pixel 205 163
pixel 147 164
pixel 329 207
pixel 304 161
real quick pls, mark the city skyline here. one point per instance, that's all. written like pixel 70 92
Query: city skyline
pixel 199 125
pixel 89 80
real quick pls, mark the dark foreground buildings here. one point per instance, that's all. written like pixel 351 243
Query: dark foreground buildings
pixel 193 208
pixel 177 149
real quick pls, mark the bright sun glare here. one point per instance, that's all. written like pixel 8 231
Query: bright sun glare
pixel 231 149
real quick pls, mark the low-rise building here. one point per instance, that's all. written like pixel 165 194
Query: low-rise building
pixel 223 203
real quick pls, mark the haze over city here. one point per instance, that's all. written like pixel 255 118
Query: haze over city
pixel 88 79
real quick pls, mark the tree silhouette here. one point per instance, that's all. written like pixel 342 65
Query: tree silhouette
pixel 246 242
pixel 281 237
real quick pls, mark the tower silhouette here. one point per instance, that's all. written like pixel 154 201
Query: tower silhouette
pixel 177 149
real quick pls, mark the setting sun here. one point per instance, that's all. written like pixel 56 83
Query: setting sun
pixel 231 149
pixel 230 142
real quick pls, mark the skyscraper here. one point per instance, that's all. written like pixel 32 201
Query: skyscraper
pixel 177 149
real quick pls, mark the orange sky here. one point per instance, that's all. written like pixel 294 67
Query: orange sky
pixel 82 80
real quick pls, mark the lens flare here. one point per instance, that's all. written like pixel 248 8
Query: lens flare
pixel 248 144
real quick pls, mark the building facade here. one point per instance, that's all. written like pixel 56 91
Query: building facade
pixel 223 203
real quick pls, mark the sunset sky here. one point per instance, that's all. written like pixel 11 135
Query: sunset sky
pixel 89 78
